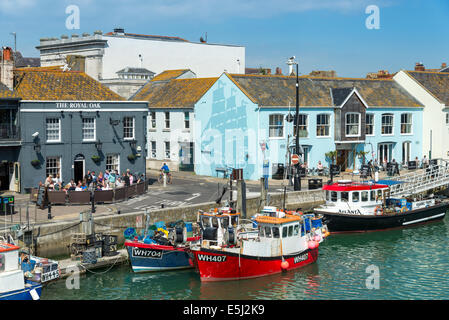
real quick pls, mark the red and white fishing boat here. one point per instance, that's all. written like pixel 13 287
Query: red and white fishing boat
pixel 233 251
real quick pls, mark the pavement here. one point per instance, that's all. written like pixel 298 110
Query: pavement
pixel 187 188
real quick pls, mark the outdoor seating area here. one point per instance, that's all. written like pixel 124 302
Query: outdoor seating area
pixel 99 196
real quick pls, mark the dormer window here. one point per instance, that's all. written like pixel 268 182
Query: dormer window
pixel 352 124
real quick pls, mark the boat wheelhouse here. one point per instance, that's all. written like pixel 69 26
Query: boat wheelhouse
pixel 13 285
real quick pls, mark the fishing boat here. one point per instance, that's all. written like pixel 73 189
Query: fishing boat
pixel 367 206
pixel 281 241
pixel 14 285
pixel 161 248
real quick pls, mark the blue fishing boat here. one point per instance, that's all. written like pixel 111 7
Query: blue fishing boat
pixel 160 248
pixel 13 283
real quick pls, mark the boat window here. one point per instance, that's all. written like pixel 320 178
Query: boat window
pixel 372 195
pixel 276 232
pixel 205 221
pixel 2 262
pixel 214 222
pixel 364 196
pixel 379 194
pixel 234 220
pixel 303 228
pixel 333 196
pixel 284 232
pixel 261 231
pixel 225 222
pixel 327 195
pixel 290 231
pixel 345 196
pixel 268 232
pixel 296 230
pixel 355 196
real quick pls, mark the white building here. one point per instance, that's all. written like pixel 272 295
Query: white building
pixel 105 54
pixel 432 90
pixel 171 98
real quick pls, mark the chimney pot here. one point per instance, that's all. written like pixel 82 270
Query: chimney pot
pixel 443 65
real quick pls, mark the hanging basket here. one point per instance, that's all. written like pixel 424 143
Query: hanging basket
pixel 35 162
pixel 96 158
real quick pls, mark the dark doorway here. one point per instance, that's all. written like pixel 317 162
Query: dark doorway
pixel 342 159
pixel 4 176
pixel 78 168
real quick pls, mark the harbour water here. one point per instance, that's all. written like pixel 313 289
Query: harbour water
pixel 411 263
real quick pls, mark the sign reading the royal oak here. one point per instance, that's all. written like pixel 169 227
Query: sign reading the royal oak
pixel 78 105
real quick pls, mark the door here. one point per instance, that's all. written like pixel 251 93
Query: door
pixel 15 177
pixel 186 156
pixel 4 176
pixel 342 159
pixel 406 152
pixel 78 170
pixel 385 152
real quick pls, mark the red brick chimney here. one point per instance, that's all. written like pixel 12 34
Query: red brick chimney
pixel 419 67
pixel 443 65
pixel 278 71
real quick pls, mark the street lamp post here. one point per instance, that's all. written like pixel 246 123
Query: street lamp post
pixel 296 178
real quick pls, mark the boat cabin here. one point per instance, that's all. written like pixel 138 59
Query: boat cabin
pixel 11 275
pixel 218 226
pixel 351 197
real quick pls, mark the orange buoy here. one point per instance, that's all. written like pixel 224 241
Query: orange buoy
pixel 284 265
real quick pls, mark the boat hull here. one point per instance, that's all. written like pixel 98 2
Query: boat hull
pixel 218 265
pixel 152 257
pixel 23 294
pixel 341 223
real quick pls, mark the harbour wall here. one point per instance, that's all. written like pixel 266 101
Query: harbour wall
pixel 54 239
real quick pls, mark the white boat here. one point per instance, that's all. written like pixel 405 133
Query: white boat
pixel 13 284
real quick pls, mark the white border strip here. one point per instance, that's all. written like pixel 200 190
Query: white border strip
pixel 424 219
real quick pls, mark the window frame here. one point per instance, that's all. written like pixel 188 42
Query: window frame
pixel 167 120
pixel 276 126
pixel 165 149
pixel 153 155
pixel 47 129
pixel 304 116
pixel 369 124
pixel 152 119
pixel 359 124
pixel 324 126
pixel 383 125
pixel 58 167
pixel 125 128
pixel 407 123
pixel 186 120
pixel 83 129
pixel 110 166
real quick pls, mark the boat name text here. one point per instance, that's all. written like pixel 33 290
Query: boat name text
pixel 301 257
pixel 147 253
pixel 205 257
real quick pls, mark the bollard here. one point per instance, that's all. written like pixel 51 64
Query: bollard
pixel 165 180
pixel 49 212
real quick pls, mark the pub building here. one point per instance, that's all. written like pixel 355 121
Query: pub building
pixel 69 123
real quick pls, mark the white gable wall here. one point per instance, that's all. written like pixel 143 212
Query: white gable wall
pixel 434 117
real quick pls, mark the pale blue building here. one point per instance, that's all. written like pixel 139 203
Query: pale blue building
pixel 241 122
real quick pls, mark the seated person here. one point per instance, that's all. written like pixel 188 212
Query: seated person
pixel 165 169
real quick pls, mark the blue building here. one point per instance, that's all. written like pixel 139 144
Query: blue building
pixel 241 122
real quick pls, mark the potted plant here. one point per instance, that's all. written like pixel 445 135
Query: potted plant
pixel 96 158
pixel 331 155
pixel 35 162
pixel 362 154
pixel 131 157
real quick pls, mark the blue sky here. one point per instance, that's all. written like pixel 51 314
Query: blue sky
pixel 323 34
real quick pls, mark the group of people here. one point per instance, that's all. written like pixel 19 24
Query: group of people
pixel 111 179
